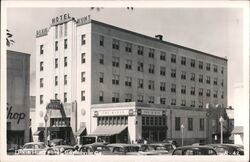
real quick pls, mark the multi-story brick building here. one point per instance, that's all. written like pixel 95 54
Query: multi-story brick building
pixel 87 62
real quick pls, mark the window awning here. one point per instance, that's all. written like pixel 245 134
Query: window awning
pixel 237 130
pixel 108 130
pixel 80 131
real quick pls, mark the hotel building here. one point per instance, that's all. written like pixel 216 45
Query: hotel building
pixel 93 68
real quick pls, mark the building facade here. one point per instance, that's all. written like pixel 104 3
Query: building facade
pixel 18 83
pixel 87 62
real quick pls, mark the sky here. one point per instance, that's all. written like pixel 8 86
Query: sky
pixel 217 31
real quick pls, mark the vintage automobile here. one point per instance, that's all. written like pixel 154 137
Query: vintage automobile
pixel 194 150
pixel 124 149
pixel 32 148
pixel 228 149
pixel 60 149
pixel 95 149
pixel 163 148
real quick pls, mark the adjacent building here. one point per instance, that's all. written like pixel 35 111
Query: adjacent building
pixel 90 66
pixel 18 83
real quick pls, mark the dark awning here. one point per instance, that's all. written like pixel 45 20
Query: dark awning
pixel 80 131
pixel 238 130
pixel 108 130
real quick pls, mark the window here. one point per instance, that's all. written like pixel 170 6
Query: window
pixel 65 29
pixel 163 71
pixel 41 66
pixel 151 85
pixel 215 68
pixel 183 75
pixel 115 97
pixel 139 98
pixel 215 94
pixel 163 56
pixel 222 82
pixel 65 97
pixel 190 124
pixel 173 101
pixel 192 63
pixel 128 82
pixel 41 82
pixel 115 79
pixel 101 59
pixel 65 62
pixel 192 92
pixel 115 61
pixel 192 103
pixel 222 95
pixel 151 99
pixel 162 100
pixel 82 95
pixel 200 104
pixel 183 60
pixel 83 41
pixel 115 44
pixel 128 64
pixel 56 96
pixel 183 102
pixel 208 93
pixel 65 79
pixel 140 83
pixel 101 42
pixel 200 65
pixel 151 53
pixel 83 76
pixel 215 81
pixel 56 46
pixel 83 58
pixel 201 78
pixel 61 30
pixel 128 97
pixel 128 47
pixel 56 80
pixel 162 86
pixel 173 88
pixel 41 99
pixel 177 123
pixel 140 50
pixel 56 32
pixel 208 80
pixel 183 89
pixel 222 70
pixel 140 66
pixel 173 73
pixel 41 49
pixel 151 68
pixel 202 124
pixel 200 92
pixel 192 77
pixel 65 43
pixel 56 63
pixel 101 77
pixel 173 58
pixel 208 67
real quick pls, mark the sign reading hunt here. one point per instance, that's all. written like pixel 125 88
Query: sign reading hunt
pixel 14 115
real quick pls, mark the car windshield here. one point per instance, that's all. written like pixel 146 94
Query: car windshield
pixel 28 146
pixel 160 148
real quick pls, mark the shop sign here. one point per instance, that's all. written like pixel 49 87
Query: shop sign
pixel 54 104
pixel 152 112
pixel 60 19
pixel 14 115
pixel 83 20
pixel 113 113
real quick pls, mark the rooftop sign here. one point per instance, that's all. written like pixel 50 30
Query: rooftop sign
pixel 41 32
pixel 60 19
pixel 83 20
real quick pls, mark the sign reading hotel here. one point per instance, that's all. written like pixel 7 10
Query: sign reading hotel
pixel 113 113
pixel 60 19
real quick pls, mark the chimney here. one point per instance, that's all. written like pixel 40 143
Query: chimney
pixel 160 37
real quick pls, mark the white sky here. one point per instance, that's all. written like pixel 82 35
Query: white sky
pixel 217 31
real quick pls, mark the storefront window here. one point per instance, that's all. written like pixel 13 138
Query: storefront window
pixel 151 120
pixel 143 120
pixel 147 120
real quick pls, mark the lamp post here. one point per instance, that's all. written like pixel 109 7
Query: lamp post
pixel 45 133
pixel 221 129
pixel 182 128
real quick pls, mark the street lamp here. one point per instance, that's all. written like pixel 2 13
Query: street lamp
pixel 221 129
pixel 45 133
pixel 182 128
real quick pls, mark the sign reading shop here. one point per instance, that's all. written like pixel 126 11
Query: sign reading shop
pixel 14 115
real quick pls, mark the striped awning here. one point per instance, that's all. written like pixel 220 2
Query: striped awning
pixel 108 130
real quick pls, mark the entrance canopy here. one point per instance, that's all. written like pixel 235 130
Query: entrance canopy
pixel 80 131
pixel 237 130
pixel 108 130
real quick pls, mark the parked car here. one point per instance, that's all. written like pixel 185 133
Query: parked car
pixel 194 150
pixel 32 148
pixel 60 149
pixel 95 149
pixel 149 149
pixel 124 149
pixel 164 148
pixel 228 149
